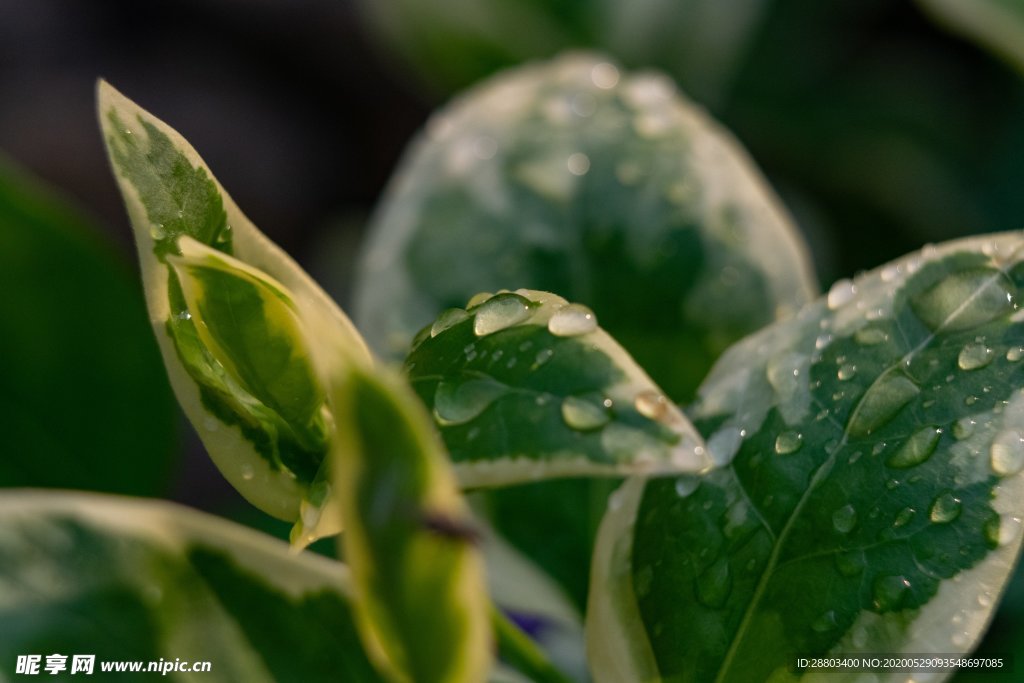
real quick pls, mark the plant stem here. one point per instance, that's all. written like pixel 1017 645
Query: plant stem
pixel 519 650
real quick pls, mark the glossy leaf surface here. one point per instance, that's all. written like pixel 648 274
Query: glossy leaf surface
pixel 525 386
pixel 868 497
pixel 607 188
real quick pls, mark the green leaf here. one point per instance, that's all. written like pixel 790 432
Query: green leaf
pixel 126 579
pixel 243 329
pixel 525 386
pixel 421 601
pixel 606 188
pixel 867 497
pixel 996 24
pixel 76 357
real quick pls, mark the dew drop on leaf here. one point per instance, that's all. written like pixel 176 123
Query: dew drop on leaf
pixel 881 402
pixel 788 442
pixel 447 319
pixel 974 356
pixel 1007 452
pixel 889 592
pixel 499 312
pixel 583 415
pixel 1015 353
pixel 572 320
pixel 964 300
pixel 945 508
pixel 841 293
pixel 458 402
pixel 846 371
pixel 903 517
pixel 651 404
pixel 963 427
pixel 844 519
pixel 916 449
pixel 870 335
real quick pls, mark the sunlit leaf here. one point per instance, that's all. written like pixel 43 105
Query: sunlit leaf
pixel 868 496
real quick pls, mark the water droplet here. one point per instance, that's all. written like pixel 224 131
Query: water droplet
pixel 844 519
pixel 788 442
pixel 822 341
pixel 604 75
pixel 965 299
pixel 870 335
pixel 542 357
pixel 1007 452
pixel 903 517
pixel 571 321
pixel 847 371
pixel 889 592
pixel 841 293
pixel 1015 353
pixel 499 312
pixel 156 231
pixel 974 356
pixel 963 428
pixel 916 449
pixel 945 508
pixel 825 623
pixel 247 472
pixel 651 404
pixel 584 415
pixel 881 402
pixel 458 402
pixel 686 485
pixel 578 163
pixel 714 584
pixel 447 319
pixel 478 299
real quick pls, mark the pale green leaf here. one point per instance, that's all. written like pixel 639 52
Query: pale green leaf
pixel 996 24
pixel 610 189
pixel 128 579
pixel 525 386
pixel 868 496
pixel 421 599
pixel 243 329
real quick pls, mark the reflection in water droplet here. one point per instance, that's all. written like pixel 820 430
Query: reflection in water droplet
pixel 889 592
pixel 499 312
pixel 1007 452
pixel 844 519
pixel 916 449
pixel 974 356
pixel 458 402
pixel 965 299
pixel 714 584
pixel 788 442
pixel 881 402
pixel 945 508
pixel 447 319
pixel 841 293
pixel 584 415
pixel 572 320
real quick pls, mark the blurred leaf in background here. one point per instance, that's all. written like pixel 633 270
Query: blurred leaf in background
pixel 83 396
pixel 996 24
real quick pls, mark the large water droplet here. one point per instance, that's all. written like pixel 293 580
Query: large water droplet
pixel 500 311
pixel 1015 353
pixel 1007 452
pixel 651 404
pixel 974 356
pixel 841 293
pixel 889 592
pixel 945 508
pixel 478 299
pixel 448 318
pixel 714 584
pixel 965 299
pixel 788 442
pixel 572 320
pixel 916 449
pixel 1001 530
pixel 584 415
pixel 458 402
pixel 881 402
pixel 844 519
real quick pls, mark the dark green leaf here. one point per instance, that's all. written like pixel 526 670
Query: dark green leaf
pixel 867 499
pixel 996 24
pixel 77 359
pixel 605 188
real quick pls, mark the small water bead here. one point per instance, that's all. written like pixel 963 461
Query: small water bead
pixel 1007 452
pixel 1001 530
pixel 945 508
pixel 841 293
pixel 578 163
pixel 499 312
pixel 448 319
pixel 788 442
pixel 572 320
pixel 892 484
pixel 542 357
pixel 917 449
pixel 604 75
pixel 903 517
pixel 870 335
pixel 1015 353
pixel 651 404
pixel 844 519
pixel 889 592
pixel 846 371
pixel 974 356
pixel 247 472
pixel 584 415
